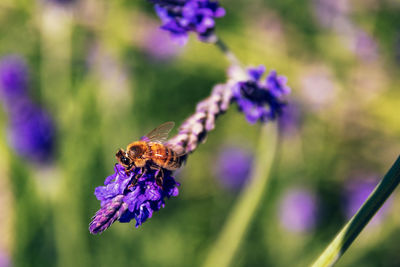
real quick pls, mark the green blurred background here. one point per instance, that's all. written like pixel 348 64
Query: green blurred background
pixel 108 75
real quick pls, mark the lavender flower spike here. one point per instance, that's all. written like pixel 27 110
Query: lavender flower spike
pixel 108 214
pixel 135 195
pixel 258 100
pixel 182 16
pixel 195 128
pixel 261 100
pixel 123 201
pixel 125 196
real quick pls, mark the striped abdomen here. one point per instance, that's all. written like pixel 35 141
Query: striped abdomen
pixel 165 157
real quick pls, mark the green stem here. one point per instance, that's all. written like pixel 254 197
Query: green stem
pixel 356 224
pixel 224 249
pixel 56 29
pixel 228 53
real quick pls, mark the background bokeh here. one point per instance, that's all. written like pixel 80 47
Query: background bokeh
pixel 104 75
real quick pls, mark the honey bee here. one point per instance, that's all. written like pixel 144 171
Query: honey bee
pixel 151 152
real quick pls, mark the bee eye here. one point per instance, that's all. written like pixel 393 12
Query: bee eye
pixel 125 161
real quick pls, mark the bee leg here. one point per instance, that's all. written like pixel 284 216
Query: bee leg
pixel 160 178
pixel 160 182
pixel 137 177
pixel 131 185
pixel 129 169
pixel 157 172
pixel 143 171
pixel 134 182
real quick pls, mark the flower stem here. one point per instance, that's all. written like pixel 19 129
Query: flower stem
pixel 357 223
pixel 228 242
pixel 228 53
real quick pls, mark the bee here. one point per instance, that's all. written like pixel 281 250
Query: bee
pixel 151 152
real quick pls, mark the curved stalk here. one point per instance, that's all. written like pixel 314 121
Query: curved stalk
pixel 228 53
pixel 353 228
pixel 238 222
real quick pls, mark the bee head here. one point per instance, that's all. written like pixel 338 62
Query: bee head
pixel 134 151
pixel 123 159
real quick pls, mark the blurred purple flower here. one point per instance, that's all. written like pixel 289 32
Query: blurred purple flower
pixel 318 87
pixel 233 167
pixel 31 131
pixel 121 201
pixel 359 42
pixel 330 14
pixel 365 46
pixel 155 43
pixel 62 2
pixel 336 15
pixel 290 120
pixel 5 260
pixel 356 191
pixel 182 16
pixel 261 101
pixel 13 78
pixel 159 46
pixel 298 210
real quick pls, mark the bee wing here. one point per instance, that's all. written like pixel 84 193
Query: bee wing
pixel 159 134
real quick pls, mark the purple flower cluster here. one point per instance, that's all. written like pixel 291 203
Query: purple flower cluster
pixel 31 131
pixel 125 196
pixel 182 16
pixel 261 100
pixel 13 78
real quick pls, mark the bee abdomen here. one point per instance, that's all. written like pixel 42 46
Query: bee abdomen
pixel 173 161
pixel 165 157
